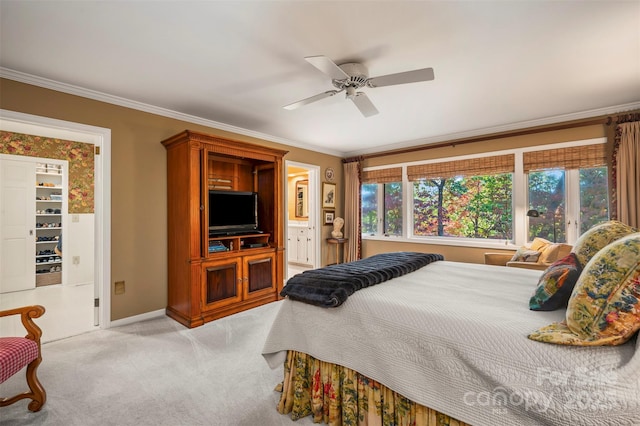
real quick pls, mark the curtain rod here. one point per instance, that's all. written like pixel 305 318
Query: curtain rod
pixel 352 159
pixel 607 120
pixel 624 118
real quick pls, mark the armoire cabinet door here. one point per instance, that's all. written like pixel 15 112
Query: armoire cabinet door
pixel 260 275
pixel 222 283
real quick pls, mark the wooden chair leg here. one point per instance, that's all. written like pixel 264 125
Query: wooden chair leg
pixel 38 394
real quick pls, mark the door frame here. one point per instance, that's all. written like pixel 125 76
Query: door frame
pixel 314 208
pixel 100 137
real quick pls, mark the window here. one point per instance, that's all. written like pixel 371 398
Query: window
pixel 369 208
pixel 558 207
pixel 382 201
pixel 474 197
pixel 469 198
pixel 547 201
pixel 594 199
pixel 570 195
pixel 392 209
pixel 471 207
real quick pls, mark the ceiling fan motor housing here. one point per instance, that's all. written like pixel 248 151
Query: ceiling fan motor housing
pixel 358 76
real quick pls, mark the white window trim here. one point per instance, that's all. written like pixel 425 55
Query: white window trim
pixel 519 200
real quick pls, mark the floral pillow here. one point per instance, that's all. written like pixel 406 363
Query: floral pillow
pixel 556 284
pixel 532 253
pixel 598 237
pixel 524 255
pixel 604 308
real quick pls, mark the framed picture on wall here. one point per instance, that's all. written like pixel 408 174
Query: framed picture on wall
pixel 328 195
pixel 329 215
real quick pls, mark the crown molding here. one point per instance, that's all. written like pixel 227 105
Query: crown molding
pixel 500 129
pixel 140 106
pixel 116 100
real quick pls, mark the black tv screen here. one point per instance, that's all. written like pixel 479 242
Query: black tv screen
pixel 231 211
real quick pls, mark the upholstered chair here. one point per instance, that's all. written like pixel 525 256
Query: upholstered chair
pixel 19 352
pixel 539 255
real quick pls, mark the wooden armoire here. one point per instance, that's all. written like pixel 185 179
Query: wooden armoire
pixel 214 274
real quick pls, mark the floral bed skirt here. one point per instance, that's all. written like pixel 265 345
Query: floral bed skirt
pixel 336 395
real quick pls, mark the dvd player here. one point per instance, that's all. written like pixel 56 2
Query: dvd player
pixel 234 233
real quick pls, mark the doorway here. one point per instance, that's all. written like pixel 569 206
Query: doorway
pixel 302 189
pixel 85 306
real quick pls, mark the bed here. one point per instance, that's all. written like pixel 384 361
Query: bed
pixel 452 337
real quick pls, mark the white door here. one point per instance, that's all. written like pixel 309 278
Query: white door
pixel 17 224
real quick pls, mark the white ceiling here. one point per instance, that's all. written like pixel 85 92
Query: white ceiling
pixel 498 65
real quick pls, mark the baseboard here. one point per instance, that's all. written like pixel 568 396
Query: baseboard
pixel 137 318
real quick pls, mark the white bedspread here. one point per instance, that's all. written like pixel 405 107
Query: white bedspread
pixel 453 337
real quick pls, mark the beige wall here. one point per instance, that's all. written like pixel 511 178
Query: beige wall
pixel 567 135
pixel 138 184
pixel 452 253
pixel 469 254
pixel 138 181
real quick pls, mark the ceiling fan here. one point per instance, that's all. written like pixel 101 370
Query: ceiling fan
pixel 352 76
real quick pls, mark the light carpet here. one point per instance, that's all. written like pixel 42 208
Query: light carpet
pixel 158 372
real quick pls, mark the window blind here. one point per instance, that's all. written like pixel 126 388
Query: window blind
pixel 382 175
pixel 577 157
pixel 472 167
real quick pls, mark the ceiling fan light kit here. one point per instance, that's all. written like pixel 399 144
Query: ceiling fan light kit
pixel 352 76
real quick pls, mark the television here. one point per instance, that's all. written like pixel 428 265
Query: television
pixel 232 212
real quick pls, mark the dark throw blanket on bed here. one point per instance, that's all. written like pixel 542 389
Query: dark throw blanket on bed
pixel 330 286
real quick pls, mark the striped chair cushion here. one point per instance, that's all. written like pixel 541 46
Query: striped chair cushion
pixel 15 354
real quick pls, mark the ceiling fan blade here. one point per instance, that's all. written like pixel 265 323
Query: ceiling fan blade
pixel 414 76
pixel 363 103
pixel 327 66
pixel 311 99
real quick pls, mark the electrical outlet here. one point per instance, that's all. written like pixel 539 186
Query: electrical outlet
pixel 75 218
pixel 75 260
pixel 119 287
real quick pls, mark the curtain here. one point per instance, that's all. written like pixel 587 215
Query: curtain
pixel 339 396
pixel 352 228
pixel 626 162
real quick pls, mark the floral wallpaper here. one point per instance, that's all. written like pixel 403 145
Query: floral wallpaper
pixel 78 154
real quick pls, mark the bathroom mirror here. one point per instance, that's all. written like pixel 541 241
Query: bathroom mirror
pixel 302 199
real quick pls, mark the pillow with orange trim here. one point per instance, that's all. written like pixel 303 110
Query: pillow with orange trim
pixel 556 284
pixel 604 308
